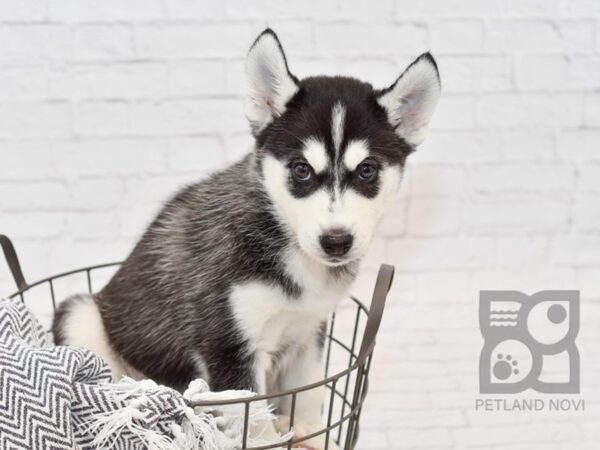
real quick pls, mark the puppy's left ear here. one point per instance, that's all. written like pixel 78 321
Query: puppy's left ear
pixel 269 83
pixel 411 100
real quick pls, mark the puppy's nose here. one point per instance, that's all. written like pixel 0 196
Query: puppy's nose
pixel 336 242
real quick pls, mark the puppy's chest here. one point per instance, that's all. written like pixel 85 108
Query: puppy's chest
pixel 276 324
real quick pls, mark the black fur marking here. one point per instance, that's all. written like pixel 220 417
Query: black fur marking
pixel 308 115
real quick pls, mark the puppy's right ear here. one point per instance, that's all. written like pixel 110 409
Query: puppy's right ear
pixel 269 83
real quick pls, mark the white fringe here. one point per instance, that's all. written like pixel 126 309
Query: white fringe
pixel 202 428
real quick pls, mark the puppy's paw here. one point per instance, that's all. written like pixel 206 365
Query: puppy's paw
pixel 302 429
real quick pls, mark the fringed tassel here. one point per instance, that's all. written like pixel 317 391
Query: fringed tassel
pixel 202 428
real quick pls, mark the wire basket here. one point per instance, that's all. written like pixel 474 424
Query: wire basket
pixel 349 344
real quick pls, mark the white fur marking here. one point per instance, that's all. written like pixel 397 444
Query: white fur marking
pixel 338 116
pixel 83 327
pixel 356 152
pixel 316 154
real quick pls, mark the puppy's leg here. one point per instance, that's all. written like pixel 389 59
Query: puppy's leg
pixel 305 369
pixel 233 368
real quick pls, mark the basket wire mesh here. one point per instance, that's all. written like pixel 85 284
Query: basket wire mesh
pixel 348 354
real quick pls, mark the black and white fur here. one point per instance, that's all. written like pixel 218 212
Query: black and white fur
pixel 234 279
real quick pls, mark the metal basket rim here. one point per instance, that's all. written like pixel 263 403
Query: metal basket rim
pixel 352 367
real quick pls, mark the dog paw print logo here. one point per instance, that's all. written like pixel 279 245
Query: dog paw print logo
pixel 529 342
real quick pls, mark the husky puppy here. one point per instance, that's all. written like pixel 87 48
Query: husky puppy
pixel 235 278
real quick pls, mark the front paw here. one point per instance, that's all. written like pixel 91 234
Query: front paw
pixel 302 429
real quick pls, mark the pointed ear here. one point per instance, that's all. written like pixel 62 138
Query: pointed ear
pixel 411 100
pixel 269 83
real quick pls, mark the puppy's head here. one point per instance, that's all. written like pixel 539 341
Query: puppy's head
pixel 331 149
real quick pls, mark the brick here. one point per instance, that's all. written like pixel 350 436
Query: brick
pixel 191 9
pixel 539 36
pixel 457 36
pixel 588 283
pixel 533 279
pixel 516 214
pixel 586 213
pixel 151 40
pixel 358 9
pixel 529 145
pixel 533 8
pixel 530 433
pixel 106 10
pixel 589 178
pixel 531 110
pixel 435 437
pixel 297 37
pixel 210 40
pixel 433 217
pixel 104 41
pixel 238 145
pixel 592 110
pixel 33 120
pixel 459 147
pixel 25 43
pixel 440 253
pixel 582 72
pixel 437 180
pixel 196 154
pixel 526 35
pixel 579 8
pixel 452 8
pixel 576 250
pixel 522 177
pixel 42 195
pixel 114 156
pixel 92 227
pixel 579 144
pixel 101 119
pixel 535 72
pixel 23 83
pixel 153 190
pixel 517 252
pixel 19 11
pixel 577 35
pixel 380 40
pixel 26 159
pixel 394 224
pixel 33 225
pixel 467 73
pixel 443 287
pixel 455 113
pixel 111 81
pixel 271 9
pixel 181 117
pixel 96 193
pixel 190 78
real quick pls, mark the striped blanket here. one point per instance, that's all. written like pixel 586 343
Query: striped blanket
pixel 55 397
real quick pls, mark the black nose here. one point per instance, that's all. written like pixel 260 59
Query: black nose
pixel 336 243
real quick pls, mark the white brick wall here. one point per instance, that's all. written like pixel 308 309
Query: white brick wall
pixel 108 106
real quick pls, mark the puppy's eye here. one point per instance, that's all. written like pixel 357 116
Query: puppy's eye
pixel 301 171
pixel 366 171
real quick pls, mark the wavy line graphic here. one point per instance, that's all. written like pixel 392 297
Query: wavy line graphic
pixel 503 316
pixel 503 324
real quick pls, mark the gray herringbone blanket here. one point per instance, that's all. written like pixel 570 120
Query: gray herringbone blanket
pixel 55 397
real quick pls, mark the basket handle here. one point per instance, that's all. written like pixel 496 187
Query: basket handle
pixel 382 287
pixel 12 260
